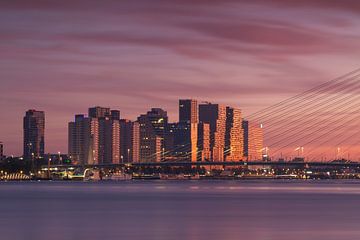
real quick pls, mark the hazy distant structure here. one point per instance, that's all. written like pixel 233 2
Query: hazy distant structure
pixel 95 139
pixel 215 116
pixel 129 141
pixel 2 156
pixel 34 134
pixel 234 137
pixel 152 135
pixel 253 140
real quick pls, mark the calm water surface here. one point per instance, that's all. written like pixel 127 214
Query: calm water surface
pixel 159 210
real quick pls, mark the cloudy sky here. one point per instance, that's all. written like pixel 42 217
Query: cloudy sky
pixel 64 56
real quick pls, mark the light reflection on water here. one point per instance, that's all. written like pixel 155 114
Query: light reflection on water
pixel 168 210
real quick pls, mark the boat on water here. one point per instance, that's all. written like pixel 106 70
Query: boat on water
pixel 179 177
pixel 146 177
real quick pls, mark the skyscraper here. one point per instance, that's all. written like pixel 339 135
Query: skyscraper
pixel 34 134
pixel 181 137
pixel 99 112
pixel 253 140
pixel 152 135
pixel 129 141
pixel 170 141
pixel 95 139
pixel 203 145
pixel 109 140
pixel 115 114
pixel 181 144
pixel 188 111
pixel 234 136
pixel 1 151
pixel 83 140
pixel 215 116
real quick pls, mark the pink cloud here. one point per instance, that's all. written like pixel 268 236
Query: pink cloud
pixel 63 57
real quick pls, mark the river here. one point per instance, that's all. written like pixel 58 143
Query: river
pixel 166 210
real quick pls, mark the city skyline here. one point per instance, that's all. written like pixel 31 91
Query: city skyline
pixel 204 131
pixel 63 147
pixel 179 119
pixel 74 56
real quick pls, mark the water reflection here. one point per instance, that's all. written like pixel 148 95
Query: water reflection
pixel 180 210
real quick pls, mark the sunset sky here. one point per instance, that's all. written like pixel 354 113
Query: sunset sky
pixel 65 56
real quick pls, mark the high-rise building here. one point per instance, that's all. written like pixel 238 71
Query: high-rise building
pixel 181 137
pixel 203 145
pixel 215 116
pixel 115 114
pixel 1 151
pixel 34 134
pixel 95 139
pixel 109 140
pixel 253 140
pixel 99 112
pixel 188 111
pixel 170 141
pixel 181 143
pixel 159 121
pixel 234 137
pixel 129 141
pixel 152 135
pixel 186 136
pixel 83 142
pixel 135 150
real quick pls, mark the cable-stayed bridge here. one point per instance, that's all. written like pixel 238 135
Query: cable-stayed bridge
pixel 320 124
pixel 319 127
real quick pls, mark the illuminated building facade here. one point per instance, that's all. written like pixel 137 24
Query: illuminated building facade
pixel 95 139
pixel 215 116
pixel 109 140
pixel 153 127
pixel 203 143
pixel 129 141
pixel 234 137
pixel 253 140
pixel 188 111
pixel 83 140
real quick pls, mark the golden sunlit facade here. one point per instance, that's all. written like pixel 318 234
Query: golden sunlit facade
pixel 253 140
pixel 215 116
pixel 234 139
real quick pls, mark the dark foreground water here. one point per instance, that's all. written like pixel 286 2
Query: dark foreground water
pixel 158 210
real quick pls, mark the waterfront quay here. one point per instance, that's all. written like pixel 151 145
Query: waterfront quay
pixel 239 170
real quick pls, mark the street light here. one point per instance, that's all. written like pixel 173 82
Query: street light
pixel 265 151
pixel 128 155
pixel 49 167
pixel 300 151
pixel 32 162
pixel 60 159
